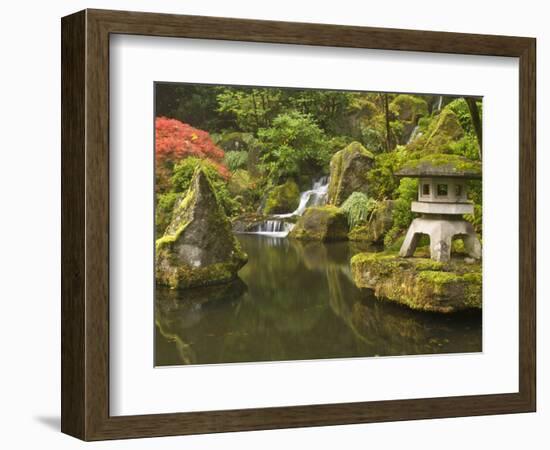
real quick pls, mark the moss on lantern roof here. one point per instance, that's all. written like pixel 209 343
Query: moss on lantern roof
pixel 441 165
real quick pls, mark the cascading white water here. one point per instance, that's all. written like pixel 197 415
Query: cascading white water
pixel 316 196
pixel 277 227
pixel 414 134
pixel 439 103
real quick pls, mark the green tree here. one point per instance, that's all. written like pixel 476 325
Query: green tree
pixel 293 145
pixel 252 108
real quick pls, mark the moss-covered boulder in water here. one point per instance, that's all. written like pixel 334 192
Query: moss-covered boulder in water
pixel 420 283
pixel 378 225
pixel 282 199
pixel 198 247
pixel 348 172
pixel 321 223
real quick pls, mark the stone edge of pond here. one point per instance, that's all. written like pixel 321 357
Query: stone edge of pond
pixel 420 283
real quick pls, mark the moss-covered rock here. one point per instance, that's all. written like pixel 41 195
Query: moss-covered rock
pixel 408 107
pixel 379 224
pixel 444 130
pixel 198 247
pixel 348 172
pixel 321 223
pixel 234 140
pixel 282 199
pixel 420 283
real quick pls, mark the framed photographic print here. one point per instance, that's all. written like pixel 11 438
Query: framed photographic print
pixel 271 224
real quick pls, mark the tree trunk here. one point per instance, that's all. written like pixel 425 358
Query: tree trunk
pixel 388 131
pixel 476 121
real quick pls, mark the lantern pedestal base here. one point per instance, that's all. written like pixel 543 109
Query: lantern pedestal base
pixel 441 232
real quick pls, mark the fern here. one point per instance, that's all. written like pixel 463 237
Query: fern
pixel 358 208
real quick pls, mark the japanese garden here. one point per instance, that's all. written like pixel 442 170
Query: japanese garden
pixel 295 224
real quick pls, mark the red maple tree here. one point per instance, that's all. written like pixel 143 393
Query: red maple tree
pixel 175 140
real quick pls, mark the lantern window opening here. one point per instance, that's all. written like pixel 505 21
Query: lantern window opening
pixel 442 190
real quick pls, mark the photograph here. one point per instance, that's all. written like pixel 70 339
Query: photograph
pixel 305 224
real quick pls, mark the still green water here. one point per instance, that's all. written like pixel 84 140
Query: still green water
pixel 297 301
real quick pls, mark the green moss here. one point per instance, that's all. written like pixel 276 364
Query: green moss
pixel 439 134
pixel 198 222
pixel 163 211
pixel 408 107
pixel 282 199
pixel 447 129
pixel 428 264
pixel 437 278
pixel 348 172
pixel 321 223
pixel 419 283
pixel 442 165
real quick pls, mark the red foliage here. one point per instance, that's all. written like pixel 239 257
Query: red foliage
pixel 175 140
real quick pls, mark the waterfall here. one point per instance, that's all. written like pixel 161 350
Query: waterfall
pixel 415 132
pixel 439 103
pixel 316 196
pixel 276 226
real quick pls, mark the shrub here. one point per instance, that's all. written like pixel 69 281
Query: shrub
pixel 407 193
pixel 460 108
pixel 382 183
pixel 163 211
pixel 236 160
pixel 358 208
pixel 402 214
pixel 183 173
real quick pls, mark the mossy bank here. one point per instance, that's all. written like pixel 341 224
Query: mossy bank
pixel 420 283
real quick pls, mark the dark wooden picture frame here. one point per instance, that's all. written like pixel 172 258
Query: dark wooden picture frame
pixel 85 224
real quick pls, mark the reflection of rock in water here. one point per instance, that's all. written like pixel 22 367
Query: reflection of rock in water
pixel 177 310
pixel 394 330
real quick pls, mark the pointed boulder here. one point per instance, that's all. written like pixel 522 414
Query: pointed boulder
pixel 198 248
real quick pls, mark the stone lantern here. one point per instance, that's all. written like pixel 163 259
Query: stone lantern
pixel 442 200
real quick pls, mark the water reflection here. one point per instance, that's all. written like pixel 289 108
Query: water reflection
pixel 296 300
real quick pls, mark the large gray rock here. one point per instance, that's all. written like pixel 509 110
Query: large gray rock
pixel 198 247
pixel 348 172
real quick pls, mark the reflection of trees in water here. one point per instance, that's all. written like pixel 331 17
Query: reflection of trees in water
pixel 177 311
